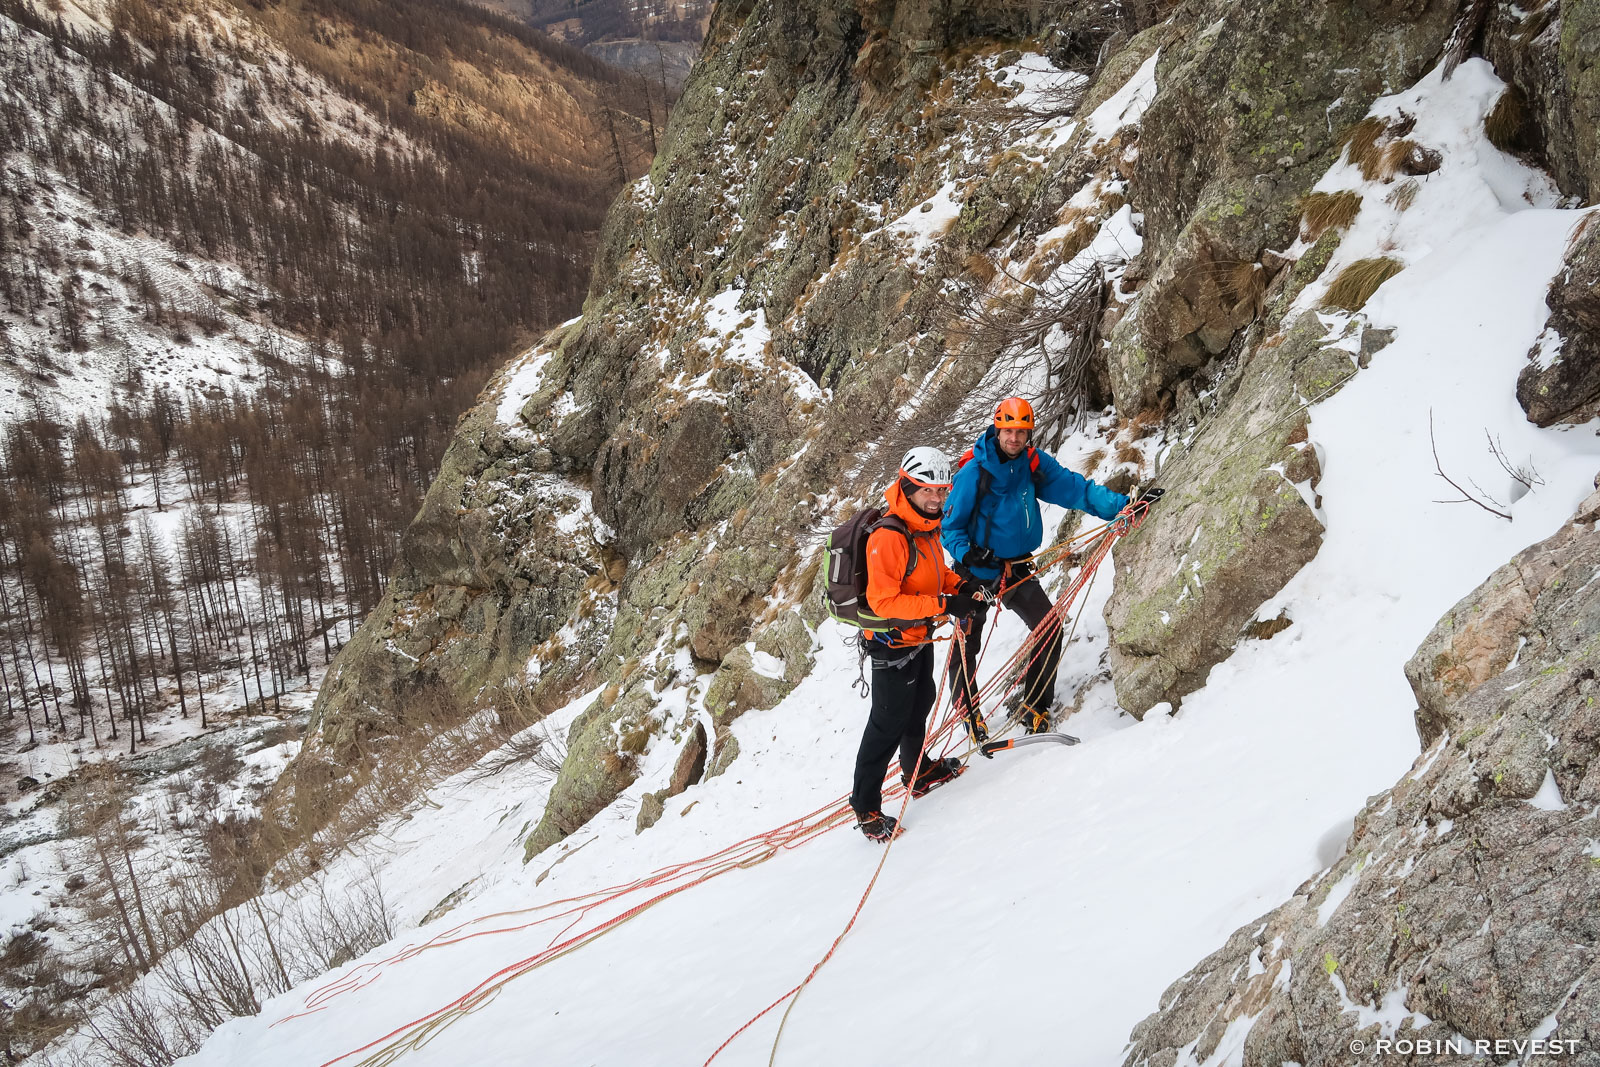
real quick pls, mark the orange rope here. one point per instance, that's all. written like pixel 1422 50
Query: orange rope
pixel 1039 637
pixel 741 854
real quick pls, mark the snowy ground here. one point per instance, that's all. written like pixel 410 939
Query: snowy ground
pixel 176 762
pixel 1056 889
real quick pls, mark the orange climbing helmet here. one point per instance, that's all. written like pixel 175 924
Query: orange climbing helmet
pixel 1014 413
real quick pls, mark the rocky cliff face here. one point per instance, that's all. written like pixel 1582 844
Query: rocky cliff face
pixel 1561 383
pixel 866 222
pixel 869 220
pixel 1466 899
pixel 851 204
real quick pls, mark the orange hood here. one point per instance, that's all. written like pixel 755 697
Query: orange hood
pixel 901 507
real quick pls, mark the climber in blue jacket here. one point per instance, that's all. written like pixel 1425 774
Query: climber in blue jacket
pixel 991 526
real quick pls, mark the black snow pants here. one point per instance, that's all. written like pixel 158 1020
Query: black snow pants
pixel 903 692
pixel 1025 597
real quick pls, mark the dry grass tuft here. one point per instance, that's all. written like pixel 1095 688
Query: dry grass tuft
pixel 615 763
pixel 1321 212
pixel 1406 156
pixel 1243 281
pixel 808 575
pixel 1093 460
pixel 1356 283
pixel 1267 629
pixel 981 268
pixel 1148 420
pixel 1130 454
pixel 636 738
pixel 1506 124
pixel 1361 145
pixel 1404 195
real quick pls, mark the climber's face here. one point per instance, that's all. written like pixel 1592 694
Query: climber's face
pixel 1012 441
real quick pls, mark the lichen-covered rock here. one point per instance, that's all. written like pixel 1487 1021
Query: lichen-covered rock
pixel 1468 900
pixel 1251 100
pixel 651 473
pixel 689 768
pixel 691 764
pixel 744 683
pixel 651 807
pixel 595 772
pixel 792 641
pixel 1547 53
pixel 726 752
pixel 1483 634
pixel 760 673
pixel 1561 382
pixel 1233 528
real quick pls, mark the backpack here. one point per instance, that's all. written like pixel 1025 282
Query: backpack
pixel 986 479
pixel 846 588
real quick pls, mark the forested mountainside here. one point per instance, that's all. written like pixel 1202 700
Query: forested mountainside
pixel 255 260
pixel 1326 276
pixel 658 39
pixel 244 252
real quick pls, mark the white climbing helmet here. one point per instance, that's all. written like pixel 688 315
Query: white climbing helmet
pixel 927 466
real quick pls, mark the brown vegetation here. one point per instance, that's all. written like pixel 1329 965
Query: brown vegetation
pixel 1404 195
pixel 1321 212
pixel 1360 143
pixel 1506 124
pixel 1357 282
pixel 1267 629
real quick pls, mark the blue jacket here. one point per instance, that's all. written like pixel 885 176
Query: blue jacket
pixel 1007 519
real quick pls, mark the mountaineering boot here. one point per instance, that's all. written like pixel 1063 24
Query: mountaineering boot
pixel 877 826
pixel 1033 720
pixel 934 773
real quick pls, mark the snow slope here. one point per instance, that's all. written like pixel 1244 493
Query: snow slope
pixel 1056 890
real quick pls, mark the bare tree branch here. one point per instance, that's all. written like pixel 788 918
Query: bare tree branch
pixel 1466 497
pixel 1526 475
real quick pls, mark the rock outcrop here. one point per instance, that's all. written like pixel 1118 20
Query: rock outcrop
pixel 1547 52
pixel 1228 146
pixel 1561 382
pixel 778 311
pixel 1251 101
pixel 1465 904
pixel 1234 527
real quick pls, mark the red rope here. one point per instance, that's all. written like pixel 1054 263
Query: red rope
pixel 1040 637
pixel 741 854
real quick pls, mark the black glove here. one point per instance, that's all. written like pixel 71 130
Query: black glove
pixel 981 557
pixel 1151 495
pixel 976 588
pixel 960 605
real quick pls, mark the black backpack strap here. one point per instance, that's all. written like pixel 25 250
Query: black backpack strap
pixel 985 481
pixel 895 522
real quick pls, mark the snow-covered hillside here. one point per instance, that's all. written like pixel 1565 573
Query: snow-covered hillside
pixel 254 262
pixel 140 312
pixel 1038 906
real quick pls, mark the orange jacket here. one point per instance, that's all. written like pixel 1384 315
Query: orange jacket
pixel 890 591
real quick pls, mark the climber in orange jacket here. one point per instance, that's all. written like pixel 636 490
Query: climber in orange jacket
pixel 908 582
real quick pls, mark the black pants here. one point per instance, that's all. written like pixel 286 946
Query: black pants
pixel 1032 605
pixel 902 696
